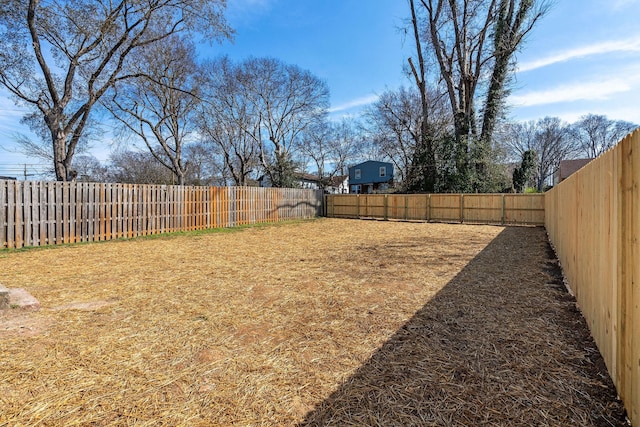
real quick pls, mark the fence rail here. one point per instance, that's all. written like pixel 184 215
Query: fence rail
pixel 506 209
pixel 593 220
pixel 34 213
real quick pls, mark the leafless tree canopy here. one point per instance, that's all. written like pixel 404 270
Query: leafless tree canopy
pixel 549 138
pixel 595 133
pixel 137 167
pixel 159 106
pixel 331 147
pixel 59 57
pixel 472 43
pixel 261 106
pixel 229 121
pixel 395 123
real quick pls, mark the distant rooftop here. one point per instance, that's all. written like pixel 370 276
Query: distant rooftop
pixel 569 167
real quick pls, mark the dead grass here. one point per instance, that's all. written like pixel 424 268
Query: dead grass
pixel 330 322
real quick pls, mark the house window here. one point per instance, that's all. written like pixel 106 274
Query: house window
pixel 383 171
pixel 358 174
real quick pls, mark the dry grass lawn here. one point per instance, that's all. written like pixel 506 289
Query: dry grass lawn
pixel 326 322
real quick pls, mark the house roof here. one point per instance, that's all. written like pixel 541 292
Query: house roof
pixel 370 161
pixel 306 177
pixel 569 167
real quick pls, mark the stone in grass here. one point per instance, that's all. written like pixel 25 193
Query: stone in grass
pixel 4 297
pixel 17 298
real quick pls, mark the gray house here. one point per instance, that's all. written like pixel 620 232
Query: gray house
pixel 370 177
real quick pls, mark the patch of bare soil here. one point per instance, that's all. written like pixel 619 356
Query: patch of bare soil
pixel 328 322
pixel 18 322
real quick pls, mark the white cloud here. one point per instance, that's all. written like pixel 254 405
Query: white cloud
pixel 628 45
pixel 358 102
pixel 621 4
pixel 595 90
pixel 246 11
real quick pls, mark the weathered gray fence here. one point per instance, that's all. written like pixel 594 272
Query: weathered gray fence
pixel 34 213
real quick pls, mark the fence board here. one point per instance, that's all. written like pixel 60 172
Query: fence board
pixel 27 224
pixel 11 215
pixel 593 221
pixel 476 208
pixel 41 213
pixel 3 213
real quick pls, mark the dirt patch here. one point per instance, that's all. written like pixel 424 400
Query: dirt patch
pixel 330 322
pixel 19 323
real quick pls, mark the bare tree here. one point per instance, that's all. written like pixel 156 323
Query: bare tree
pixel 159 106
pixel 473 42
pixel 331 146
pixel 204 165
pixel 394 122
pixel 397 126
pixel 421 173
pixel 596 133
pixel 288 100
pixel 549 138
pixel 261 107
pixel 229 120
pixel 137 167
pixel 60 57
pixel 90 169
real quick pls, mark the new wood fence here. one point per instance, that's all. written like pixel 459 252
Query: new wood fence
pixel 593 220
pixel 49 213
pixel 506 209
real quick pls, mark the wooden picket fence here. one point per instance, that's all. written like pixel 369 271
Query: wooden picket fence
pixel 593 220
pixel 505 209
pixel 34 213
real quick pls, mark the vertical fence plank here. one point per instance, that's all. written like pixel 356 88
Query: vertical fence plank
pixel 55 205
pixel 593 221
pixel 11 214
pixel 91 212
pixel 41 213
pixel 634 255
pixel 3 214
pixel 26 206
pixel 18 216
pixel 35 212
pixel 527 209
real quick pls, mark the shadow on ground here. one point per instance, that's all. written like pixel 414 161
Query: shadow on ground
pixel 501 344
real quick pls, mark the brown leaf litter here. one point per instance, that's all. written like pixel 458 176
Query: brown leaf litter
pixel 326 322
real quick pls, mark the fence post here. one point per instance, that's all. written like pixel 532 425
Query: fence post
pixel 428 207
pixel 358 206
pixel 386 207
pixel 3 212
pixel 406 207
pixel 502 212
pixel 11 214
pixel 461 208
pixel 325 206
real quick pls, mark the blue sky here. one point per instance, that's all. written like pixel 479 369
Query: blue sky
pixel 583 57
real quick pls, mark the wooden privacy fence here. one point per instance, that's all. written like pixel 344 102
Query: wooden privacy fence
pixel 593 220
pixel 522 209
pixel 49 213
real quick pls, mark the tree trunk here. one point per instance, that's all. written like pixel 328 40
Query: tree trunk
pixel 60 159
pixel 421 175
